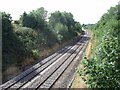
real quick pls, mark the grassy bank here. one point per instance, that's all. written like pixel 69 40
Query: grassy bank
pixel 78 81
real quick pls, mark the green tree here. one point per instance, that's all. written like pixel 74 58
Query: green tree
pixel 62 32
pixel 64 25
pixel 12 47
pixel 35 19
pixel 28 20
pixel 78 27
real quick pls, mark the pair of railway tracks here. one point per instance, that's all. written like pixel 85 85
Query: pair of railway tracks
pixel 47 72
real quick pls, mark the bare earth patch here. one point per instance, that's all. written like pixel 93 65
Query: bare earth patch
pixel 88 50
pixel 78 82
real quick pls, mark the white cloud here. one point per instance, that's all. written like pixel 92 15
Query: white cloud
pixel 84 11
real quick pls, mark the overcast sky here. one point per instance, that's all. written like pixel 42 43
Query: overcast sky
pixel 84 11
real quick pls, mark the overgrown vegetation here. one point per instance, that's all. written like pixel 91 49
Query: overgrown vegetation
pixel 33 33
pixel 102 70
pixel 12 47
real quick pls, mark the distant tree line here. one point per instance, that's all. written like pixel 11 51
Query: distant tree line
pixel 88 26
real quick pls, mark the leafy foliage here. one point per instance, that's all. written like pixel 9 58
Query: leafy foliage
pixel 33 33
pixel 35 19
pixel 35 53
pixel 64 26
pixel 12 47
pixel 103 70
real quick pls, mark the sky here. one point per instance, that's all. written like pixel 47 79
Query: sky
pixel 84 11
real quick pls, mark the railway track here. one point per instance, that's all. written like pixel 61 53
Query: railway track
pixel 47 72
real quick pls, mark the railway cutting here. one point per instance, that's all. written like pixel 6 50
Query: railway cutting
pixel 55 71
